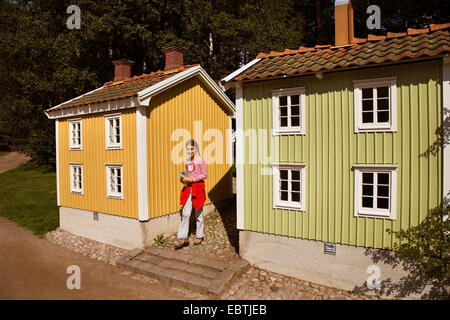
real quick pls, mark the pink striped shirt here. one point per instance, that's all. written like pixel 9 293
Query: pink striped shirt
pixel 196 168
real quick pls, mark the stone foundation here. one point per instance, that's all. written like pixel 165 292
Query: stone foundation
pixel 306 260
pixel 119 231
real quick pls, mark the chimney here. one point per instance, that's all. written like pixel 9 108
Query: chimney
pixel 122 69
pixel 173 57
pixel 343 22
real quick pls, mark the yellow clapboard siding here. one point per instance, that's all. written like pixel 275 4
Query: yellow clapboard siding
pixel 178 108
pixel 94 157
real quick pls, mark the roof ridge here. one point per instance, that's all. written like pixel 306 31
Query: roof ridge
pixel 148 75
pixel 370 37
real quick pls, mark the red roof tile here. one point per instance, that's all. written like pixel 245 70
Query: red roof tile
pixel 415 43
pixel 121 89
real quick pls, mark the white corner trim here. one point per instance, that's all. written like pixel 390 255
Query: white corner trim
pixel 240 156
pixel 446 124
pixel 141 157
pixel 146 94
pixel 58 202
pixel 240 70
pixel 230 152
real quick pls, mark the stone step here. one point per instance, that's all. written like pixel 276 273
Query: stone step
pixel 198 273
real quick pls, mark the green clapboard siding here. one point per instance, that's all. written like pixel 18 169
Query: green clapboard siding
pixel 330 148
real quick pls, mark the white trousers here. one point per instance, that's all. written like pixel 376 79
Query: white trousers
pixel 183 230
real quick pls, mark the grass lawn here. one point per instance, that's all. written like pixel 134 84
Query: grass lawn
pixel 3 153
pixel 28 197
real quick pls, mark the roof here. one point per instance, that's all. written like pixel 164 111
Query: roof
pixel 120 89
pixel 394 47
pixel 139 89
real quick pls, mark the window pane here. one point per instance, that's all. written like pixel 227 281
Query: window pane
pixel 295 110
pixel 367 93
pixel 294 100
pixel 284 196
pixel 295 196
pixel 383 203
pixel 284 185
pixel 367 177
pixel 367 202
pixel 367 105
pixel 383 116
pixel 383 191
pixel 382 92
pixel 368 190
pixel 295 175
pixel 283 111
pixel 383 178
pixel 367 117
pixel 295 186
pixel 283 101
pixel 383 104
pixel 284 174
pixel 295 121
pixel 284 122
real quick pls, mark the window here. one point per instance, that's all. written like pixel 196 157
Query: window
pixel 375 105
pixel 114 181
pixel 289 183
pixel 76 178
pixel 75 134
pixel 113 132
pixel 288 111
pixel 375 191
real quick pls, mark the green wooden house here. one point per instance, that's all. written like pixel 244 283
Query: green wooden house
pixel 332 148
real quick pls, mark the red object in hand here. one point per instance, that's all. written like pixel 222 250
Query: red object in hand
pixel 198 194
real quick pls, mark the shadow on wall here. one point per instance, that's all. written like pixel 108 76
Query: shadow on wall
pixel 226 208
pixel 422 251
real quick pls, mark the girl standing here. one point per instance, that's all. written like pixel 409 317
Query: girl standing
pixel 192 195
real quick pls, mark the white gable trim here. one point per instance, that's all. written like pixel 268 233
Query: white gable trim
pixel 240 70
pixel 144 96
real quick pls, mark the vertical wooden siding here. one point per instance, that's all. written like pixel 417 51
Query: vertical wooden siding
pixel 178 108
pixel 94 157
pixel 330 148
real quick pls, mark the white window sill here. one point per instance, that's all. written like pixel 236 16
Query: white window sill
pixel 375 129
pixel 76 148
pixel 287 132
pixel 77 192
pixel 374 214
pixel 114 197
pixel 288 207
pixel 114 148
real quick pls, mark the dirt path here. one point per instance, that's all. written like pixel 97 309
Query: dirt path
pixel 34 268
pixel 12 160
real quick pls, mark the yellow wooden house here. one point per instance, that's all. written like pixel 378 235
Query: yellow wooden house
pixel 119 149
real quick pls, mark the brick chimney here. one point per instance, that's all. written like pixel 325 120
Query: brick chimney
pixel 343 22
pixel 122 69
pixel 173 57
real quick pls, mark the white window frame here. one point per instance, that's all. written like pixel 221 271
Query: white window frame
pixel 291 205
pixel 73 189
pixel 109 192
pixel 109 145
pixel 359 210
pixel 73 146
pixel 358 85
pixel 276 94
